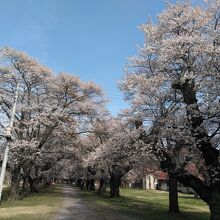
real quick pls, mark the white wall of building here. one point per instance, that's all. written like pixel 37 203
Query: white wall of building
pixel 149 182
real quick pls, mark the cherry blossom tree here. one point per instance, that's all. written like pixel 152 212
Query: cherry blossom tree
pixel 48 106
pixel 118 153
pixel 173 84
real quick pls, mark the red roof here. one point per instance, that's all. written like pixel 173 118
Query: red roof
pixel 160 175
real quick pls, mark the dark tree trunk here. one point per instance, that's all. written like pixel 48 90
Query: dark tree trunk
pixel 82 185
pixel 209 193
pixel 27 166
pixel 115 182
pixel 116 173
pixel 215 211
pixel 25 190
pixel 87 183
pixel 91 180
pixel 214 204
pixel 15 181
pixel 92 184
pixel 173 196
pixel 102 186
pixel 33 185
pixel 79 182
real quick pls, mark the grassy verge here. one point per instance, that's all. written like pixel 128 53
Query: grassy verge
pixel 143 204
pixel 40 206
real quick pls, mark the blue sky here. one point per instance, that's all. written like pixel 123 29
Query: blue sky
pixel 89 38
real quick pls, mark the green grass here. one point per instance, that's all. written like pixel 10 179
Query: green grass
pixel 133 204
pixel 147 204
pixel 37 206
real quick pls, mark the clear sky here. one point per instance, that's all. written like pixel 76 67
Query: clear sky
pixel 89 38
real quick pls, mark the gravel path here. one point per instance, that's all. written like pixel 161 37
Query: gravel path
pixel 73 207
pixel 76 208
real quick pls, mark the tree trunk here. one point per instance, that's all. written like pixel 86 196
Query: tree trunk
pixel 15 181
pixel 92 184
pixel 209 193
pixel 33 185
pixel 173 196
pixel 102 186
pixel 215 210
pixel 82 185
pixel 87 183
pixel 25 190
pixel 115 182
pixel 214 204
pixel 79 182
pixel 195 118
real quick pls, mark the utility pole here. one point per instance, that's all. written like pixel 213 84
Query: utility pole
pixel 7 135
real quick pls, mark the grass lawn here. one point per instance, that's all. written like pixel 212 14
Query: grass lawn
pixel 133 204
pixel 147 205
pixel 40 206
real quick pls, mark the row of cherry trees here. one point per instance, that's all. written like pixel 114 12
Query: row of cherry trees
pixel 52 112
pixel 173 87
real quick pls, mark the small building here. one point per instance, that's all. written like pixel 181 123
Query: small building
pixel 149 182
pixel 162 181
pixel 156 180
pixel 159 180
